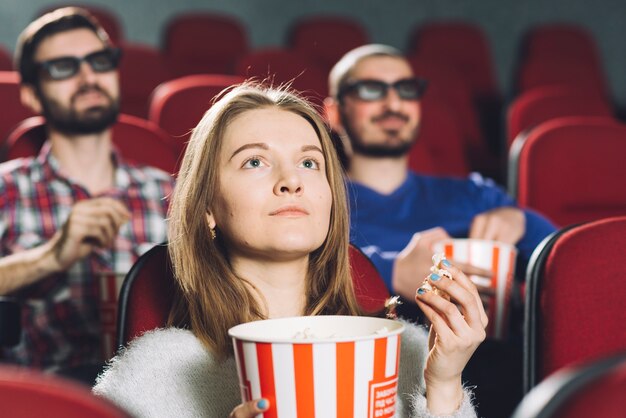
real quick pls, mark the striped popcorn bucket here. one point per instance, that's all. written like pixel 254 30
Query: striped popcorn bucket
pixel 320 366
pixel 493 256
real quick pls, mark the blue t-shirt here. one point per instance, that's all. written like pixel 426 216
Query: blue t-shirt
pixel 382 225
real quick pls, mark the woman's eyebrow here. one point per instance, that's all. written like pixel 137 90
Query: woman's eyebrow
pixel 260 145
pixel 312 148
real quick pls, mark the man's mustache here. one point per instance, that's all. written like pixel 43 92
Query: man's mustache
pixel 390 114
pixel 89 89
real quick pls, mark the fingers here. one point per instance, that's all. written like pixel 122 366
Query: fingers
pixel 250 409
pixel 462 293
pixel 470 269
pixel 506 224
pixel 97 221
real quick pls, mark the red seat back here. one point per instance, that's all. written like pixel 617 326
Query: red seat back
pixel 463 46
pixel 30 393
pixel 142 69
pixel 560 71
pixel 543 103
pixel 12 110
pixel 565 40
pixel 178 105
pixel 203 43
pixel 575 288
pixel 439 148
pixel 571 169
pixel 285 66
pixel 6 62
pixel 326 39
pixel 593 389
pixel 137 139
pixel 147 293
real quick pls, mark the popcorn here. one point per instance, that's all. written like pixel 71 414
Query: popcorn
pixel 426 285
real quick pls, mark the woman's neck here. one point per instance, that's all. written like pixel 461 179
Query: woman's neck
pixel 282 284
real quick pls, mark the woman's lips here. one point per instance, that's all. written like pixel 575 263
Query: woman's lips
pixel 290 211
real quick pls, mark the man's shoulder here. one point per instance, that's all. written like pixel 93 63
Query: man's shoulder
pixel 11 170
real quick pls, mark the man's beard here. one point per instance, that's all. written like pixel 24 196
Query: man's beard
pixel 93 120
pixel 396 150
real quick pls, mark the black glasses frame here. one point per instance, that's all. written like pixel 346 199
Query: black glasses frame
pixel 47 67
pixel 352 88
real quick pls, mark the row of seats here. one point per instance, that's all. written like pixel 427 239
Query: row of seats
pixel 566 167
pixel 455 56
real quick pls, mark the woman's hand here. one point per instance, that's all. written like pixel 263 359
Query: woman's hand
pixel 457 328
pixel 250 409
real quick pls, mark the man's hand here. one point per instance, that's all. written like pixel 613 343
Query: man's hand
pixel 506 224
pixel 92 223
pixel 414 262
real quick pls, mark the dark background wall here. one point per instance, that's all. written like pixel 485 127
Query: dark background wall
pixel 387 21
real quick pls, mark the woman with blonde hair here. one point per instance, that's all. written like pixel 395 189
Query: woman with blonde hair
pixel 259 229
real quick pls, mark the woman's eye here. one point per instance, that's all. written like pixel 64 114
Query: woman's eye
pixel 310 164
pixel 253 163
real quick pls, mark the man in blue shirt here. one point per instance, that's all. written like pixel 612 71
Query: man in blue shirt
pixel 397 215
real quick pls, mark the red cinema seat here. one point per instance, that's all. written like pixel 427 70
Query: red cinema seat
pixel 147 293
pixel 28 393
pixel 142 69
pixel 325 39
pixel 560 71
pixel 559 39
pixel 6 61
pixel 108 19
pixel 138 140
pixel 593 389
pixel 571 169
pixel 439 148
pixel 285 66
pixel 574 294
pixel 12 110
pixel 449 86
pixel 203 43
pixel 177 106
pixel 548 102
pixel 462 46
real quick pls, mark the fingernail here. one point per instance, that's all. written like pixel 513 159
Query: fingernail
pixel 446 263
pixel 421 291
pixel 434 277
pixel 262 404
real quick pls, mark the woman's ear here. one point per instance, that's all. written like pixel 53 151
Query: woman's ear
pixel 210 220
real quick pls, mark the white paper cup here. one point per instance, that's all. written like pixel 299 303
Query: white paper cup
pixel 496 257
pixel 320 366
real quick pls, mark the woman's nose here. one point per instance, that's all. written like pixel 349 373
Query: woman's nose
pixel 289 182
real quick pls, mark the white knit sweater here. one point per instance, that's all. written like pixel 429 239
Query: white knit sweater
pixel 169 373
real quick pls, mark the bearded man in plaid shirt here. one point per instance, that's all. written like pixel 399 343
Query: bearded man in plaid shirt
pixel 77 211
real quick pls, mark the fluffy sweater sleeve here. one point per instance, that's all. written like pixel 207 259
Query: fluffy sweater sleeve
pixel 411 386
pixel 168 373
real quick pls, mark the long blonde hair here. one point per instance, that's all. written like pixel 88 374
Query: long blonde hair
pixel 212 298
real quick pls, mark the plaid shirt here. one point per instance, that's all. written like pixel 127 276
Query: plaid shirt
pixel 61 324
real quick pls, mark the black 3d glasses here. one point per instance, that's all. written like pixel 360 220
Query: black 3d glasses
pixel 370 90
pixel 65 67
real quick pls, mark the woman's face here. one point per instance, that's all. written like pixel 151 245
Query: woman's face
pixel 274 200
